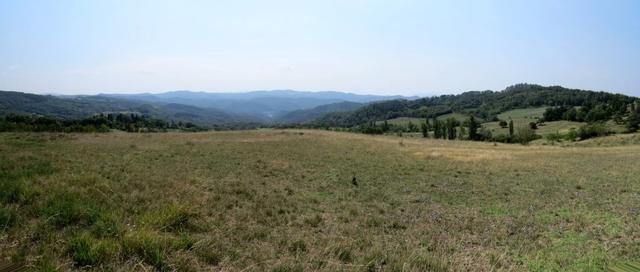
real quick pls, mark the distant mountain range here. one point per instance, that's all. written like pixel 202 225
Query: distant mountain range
pixel 265 106
pixel 321 109
pixel 206 109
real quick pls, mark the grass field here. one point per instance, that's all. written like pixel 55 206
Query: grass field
pixel 404 121
pixel 272 200
pixel 522 117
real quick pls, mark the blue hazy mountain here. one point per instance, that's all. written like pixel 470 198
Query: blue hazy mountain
pixel 262 105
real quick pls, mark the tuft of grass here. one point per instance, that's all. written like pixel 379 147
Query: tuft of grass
pixel 625 267
pixel 107 225
pixel 343 254
pixel 87 251
pixel 313 221
pixel 64 208
pixel 426 262
pixel 170 218
pixel 208 252
pixel 288 268
pixel 149 247
pixel 298 247
pixel 11 190
pixel 8 217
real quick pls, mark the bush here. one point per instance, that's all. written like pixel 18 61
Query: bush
pixel 572 135
pixel 525 135
pixel 502 138
pixel 554 137
pixel 593 130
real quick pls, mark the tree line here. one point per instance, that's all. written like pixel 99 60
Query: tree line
pixel 452 129
pixel 128 122
pixel 626 114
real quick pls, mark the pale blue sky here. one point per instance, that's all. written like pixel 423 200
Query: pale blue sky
pixel 380 47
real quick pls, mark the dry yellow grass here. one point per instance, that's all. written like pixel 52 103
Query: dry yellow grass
pixel 285 200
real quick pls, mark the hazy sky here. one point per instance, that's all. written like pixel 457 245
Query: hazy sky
pixel 382 47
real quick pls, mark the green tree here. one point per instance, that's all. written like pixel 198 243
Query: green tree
pixel 502 123
pixel 633 121
pixel 451 124
pixel 473 126
pixel 525 135
pixel 411 127
pixel 437 131
pixel 462 133
pixel 385 126
pixel 425 130
pixel 510 128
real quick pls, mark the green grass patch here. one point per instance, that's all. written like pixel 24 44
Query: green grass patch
pixel 8 217
pixel 63 208
pixel 570 251
pixel 170 218
pixel 150 247
pixel 87 251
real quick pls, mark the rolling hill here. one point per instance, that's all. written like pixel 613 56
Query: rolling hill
pixel 485 105
pixel 308 115
pixel 231 110
pixel 265 106
pixel 77 107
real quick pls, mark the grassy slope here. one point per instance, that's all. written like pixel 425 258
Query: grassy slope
pixel 522 117
pixel 263 200
pixel 403 121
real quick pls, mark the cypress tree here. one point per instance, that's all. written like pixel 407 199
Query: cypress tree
pixel 510 128
pixel 437 131
pixel 473 128
pixel 462 133
pixel 425 130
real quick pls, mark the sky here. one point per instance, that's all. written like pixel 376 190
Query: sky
pixel 388 47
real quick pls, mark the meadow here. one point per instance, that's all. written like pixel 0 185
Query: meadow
pixel 305 200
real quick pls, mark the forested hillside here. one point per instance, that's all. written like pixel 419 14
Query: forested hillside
pixel 308 115
pixel 486 105
pixel 80 107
